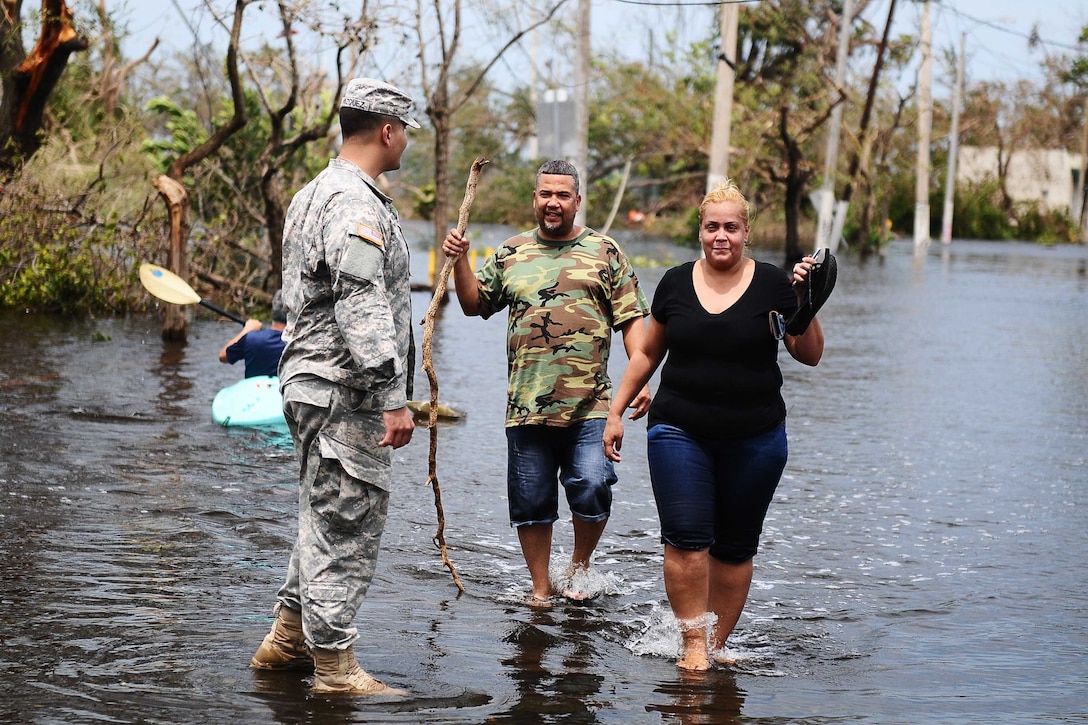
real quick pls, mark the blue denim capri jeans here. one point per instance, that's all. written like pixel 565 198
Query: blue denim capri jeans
pixel 714 493
pixel 540 456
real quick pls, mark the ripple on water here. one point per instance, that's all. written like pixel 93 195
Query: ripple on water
pixel 923 552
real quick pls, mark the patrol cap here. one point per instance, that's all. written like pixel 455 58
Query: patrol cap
pixel 374 96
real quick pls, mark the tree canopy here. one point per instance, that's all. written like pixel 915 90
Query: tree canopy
pixel 240 125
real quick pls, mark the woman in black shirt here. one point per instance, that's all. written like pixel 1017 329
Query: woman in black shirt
pixel 716 438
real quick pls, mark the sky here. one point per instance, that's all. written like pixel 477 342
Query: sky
pixel 997 32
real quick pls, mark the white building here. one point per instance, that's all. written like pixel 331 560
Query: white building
pixel 1037 174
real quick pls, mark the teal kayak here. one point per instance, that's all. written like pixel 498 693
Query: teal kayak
pixel 254 402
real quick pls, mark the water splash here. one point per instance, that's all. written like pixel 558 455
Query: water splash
pixel 587 584
pixel 660 636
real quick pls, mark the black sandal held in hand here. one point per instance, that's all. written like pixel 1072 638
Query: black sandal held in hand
pixel 818 286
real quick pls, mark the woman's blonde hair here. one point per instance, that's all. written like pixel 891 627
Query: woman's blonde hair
pixel 725 191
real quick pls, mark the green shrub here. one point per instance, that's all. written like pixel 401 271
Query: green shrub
pixel 46 266
pixel 978 212
pixel 1045 226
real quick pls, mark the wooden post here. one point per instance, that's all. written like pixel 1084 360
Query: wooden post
pixel 581 84
pixel 723 96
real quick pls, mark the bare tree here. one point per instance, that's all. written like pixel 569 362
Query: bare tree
pixel 792 170
pixel 352 42
pixel 786 48
pixel 442 104
pixel 171 185
pixel 112 77
pixel 29 80
pixel 858 172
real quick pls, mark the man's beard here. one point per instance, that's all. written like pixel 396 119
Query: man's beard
pixel 563 225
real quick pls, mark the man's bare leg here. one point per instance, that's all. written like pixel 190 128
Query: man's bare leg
pixel 536 547
pixel 586 536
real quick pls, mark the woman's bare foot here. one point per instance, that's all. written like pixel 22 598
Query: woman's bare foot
pixel 694 657
pixel 578 586
pixel 693 662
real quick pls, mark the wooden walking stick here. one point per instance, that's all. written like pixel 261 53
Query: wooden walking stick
pixel 428 367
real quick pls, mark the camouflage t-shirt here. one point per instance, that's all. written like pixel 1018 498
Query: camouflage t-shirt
pixel 565 298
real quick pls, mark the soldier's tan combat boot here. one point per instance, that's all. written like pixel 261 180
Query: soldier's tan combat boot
pixel 284 647
pixel 336 670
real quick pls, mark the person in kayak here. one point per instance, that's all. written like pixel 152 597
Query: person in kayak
pixel 259 347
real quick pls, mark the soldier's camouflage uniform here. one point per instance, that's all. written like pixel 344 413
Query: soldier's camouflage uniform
pixel 349 356
pixel 565 299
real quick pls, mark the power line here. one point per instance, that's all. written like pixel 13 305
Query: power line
pixel 1032 37
pixel 653 3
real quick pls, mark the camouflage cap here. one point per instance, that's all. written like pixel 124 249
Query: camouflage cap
pixel 374 96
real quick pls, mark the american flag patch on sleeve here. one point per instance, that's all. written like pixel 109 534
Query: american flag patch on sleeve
pixel 369 234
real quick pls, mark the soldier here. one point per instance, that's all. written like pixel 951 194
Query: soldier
pixel 567 288
pixel 346 376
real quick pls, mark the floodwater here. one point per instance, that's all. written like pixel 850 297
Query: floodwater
pixel 923 560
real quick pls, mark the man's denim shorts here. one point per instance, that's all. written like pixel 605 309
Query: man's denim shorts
pixel 539 456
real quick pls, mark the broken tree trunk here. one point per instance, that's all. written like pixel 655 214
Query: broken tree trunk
pixel 28 81
pixel 176 198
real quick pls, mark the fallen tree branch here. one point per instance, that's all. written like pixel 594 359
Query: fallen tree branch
pixel 428 332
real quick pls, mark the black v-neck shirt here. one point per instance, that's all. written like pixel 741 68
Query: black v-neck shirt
pixel 721 377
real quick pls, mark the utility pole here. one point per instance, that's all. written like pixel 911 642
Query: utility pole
pixel 953 148
pixel 925 122
pixel 1083 195
pixel 723 95
pixel 581 79
pixel 824 233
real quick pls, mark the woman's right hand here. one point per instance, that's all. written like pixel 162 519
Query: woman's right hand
pixel 613 437
pixel 800 274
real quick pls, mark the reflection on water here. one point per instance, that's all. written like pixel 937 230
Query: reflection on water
pixel 710 698
pixel 923 553
pixel 552 669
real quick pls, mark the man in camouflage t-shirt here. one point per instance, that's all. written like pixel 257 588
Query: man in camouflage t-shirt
pixel 567 288
pixel 346 375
